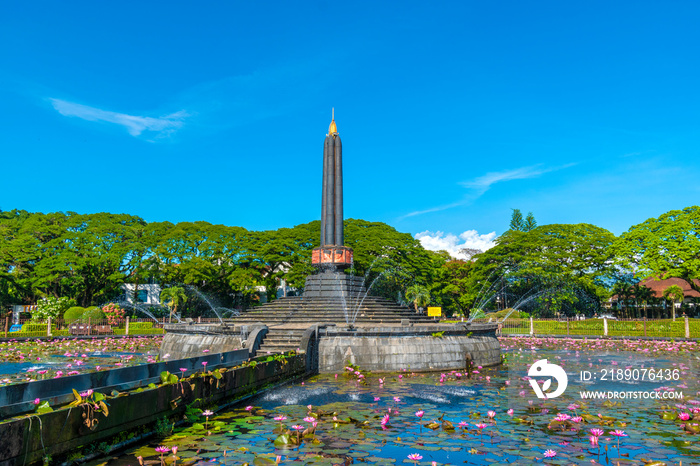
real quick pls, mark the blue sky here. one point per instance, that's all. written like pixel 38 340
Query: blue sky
pixel 451 113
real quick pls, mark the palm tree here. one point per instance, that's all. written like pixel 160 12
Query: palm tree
pixel 674 293
pixel 419 295
pixel 172 297
pixel 623 291
pixel 643 294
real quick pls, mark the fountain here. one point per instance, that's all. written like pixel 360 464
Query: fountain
pixel 139 308
pixel 337 320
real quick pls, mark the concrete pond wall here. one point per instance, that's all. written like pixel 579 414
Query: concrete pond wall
pixel 188 340
pixel 424 348
pixel 28 439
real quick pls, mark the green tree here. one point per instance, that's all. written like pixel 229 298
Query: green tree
pixel 574 260
pixel 624 292
pixel 452 287
pixel 52 307
pixel 663 247
pixel 674 293
pixel 172 297
pixel 644 295
pixel 419 295
pixel 530 222
pixel 516 221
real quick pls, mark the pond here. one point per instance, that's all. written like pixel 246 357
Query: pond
pixel 23 361
pixel 492 417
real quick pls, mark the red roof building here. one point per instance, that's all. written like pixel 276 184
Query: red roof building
pixel 658 286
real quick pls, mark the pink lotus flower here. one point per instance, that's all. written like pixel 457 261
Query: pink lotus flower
pixel 415 457
pixel 248 408
pixel 550 453
pixel 298 427
pixel 309 419
pixel 37 401
pixel 510 412
pixel 463 424
pixel 491 414
pixel 420 413
pixel 682 416
pixel 597 432
pixel 281 418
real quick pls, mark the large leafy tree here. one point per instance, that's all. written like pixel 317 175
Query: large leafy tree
pixel 569 265
pixel 664 247
pixel 389 259
pixel 452 287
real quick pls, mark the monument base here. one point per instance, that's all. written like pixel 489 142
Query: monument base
pixel 334 284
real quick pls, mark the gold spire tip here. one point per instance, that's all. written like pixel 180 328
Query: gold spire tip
pixel 332 129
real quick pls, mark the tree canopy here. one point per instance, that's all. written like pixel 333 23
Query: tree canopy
pixel 89 257
pixel 663 247
pixel 558 268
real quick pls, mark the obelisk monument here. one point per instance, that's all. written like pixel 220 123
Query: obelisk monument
pixel 332 256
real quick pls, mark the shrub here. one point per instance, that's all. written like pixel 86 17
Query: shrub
pixel 93 313
pixel 52 307
pixel 114 313
pixel 33 329
pixel 140 325
pixel 73 313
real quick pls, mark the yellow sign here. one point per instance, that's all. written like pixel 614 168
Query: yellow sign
pixel 434 311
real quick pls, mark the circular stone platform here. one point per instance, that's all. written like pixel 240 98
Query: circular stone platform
pixel 418 348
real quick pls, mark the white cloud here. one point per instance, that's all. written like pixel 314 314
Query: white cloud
pixel 451 243
pixel 135 125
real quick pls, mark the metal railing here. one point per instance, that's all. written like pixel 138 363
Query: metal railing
pixel 80 327
pixel 682 327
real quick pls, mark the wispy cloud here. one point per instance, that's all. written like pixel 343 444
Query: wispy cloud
pixel 478 186
pixel 135 125
pixel 482 184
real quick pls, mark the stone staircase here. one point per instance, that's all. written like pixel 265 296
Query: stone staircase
pixel 299 310
pixel 287 318
pixel 280 340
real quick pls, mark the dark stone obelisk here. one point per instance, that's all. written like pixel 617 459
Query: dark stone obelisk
pixel 332 256
pixel 332 196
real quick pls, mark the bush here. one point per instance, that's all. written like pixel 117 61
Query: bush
pixel 34 329
pixel 93 313
pixel 140 325
pixel 504 312
pixel 52 307
pixel 114 313
pixel 73 313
